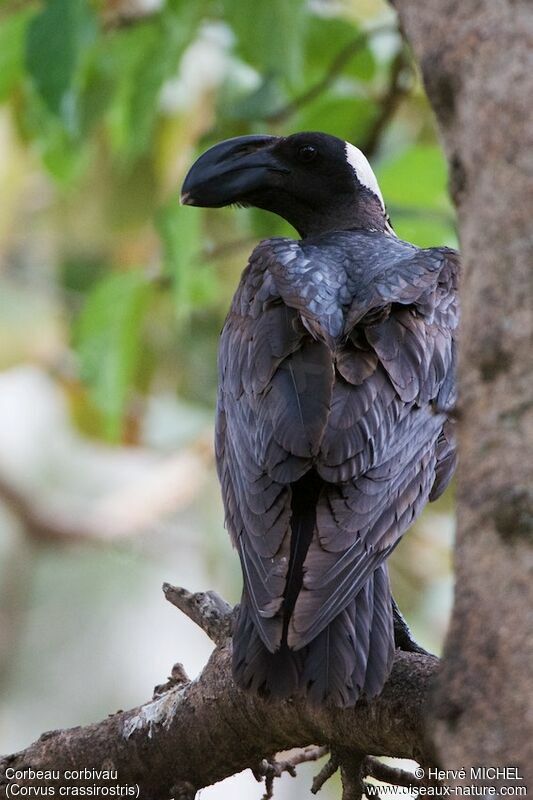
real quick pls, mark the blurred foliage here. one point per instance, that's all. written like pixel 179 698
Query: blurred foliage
pixel 106 103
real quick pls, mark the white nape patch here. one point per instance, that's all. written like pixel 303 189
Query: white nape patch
pixel 363 171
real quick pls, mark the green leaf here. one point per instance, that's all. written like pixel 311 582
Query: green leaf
pixel 269 34
pixel 108 342
pixel 121 59
pixel 56 44
pixel 326 38
pixel 12 37
pixel 346 117
pixel 193 282
pixel 416 178
pixel 257 104
pixel 60 153
pixel 143 57
pixel 97 92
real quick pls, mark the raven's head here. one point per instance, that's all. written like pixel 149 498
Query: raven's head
pixel 315 181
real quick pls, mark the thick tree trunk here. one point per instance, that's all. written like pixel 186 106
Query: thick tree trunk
pixel 477 62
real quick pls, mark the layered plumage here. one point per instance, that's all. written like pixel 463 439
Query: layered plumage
pixel 336 377
pixel 334 363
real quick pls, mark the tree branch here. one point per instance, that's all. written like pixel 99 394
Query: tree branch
pixel 125 13
pixel 373 768
pixel 161 745
pixel 328 770
pixel 336 67
pixel 400 85
pixel 172 485
pixel 275 768
pixel 207 609
pixel 352 776
pixel 16 5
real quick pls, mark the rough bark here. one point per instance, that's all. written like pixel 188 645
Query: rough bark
pixel 194 733
pixel 477 64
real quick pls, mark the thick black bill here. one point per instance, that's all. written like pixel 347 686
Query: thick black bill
pixel 229 171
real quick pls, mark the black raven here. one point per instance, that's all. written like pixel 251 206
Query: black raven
pixel 336 382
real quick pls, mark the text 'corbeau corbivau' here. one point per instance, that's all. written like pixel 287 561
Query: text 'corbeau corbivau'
pixel 336 378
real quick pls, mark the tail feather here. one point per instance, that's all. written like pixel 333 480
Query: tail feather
pixel 381 646
pixel 363 617
pixel 350 658
pixel 353 656
pixel 256 668
pixel 328 662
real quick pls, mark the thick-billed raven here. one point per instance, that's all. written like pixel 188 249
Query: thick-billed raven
pixel 336 380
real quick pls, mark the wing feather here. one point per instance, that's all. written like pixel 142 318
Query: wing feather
pixel 337 355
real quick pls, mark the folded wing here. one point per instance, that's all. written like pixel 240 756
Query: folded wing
pixel 337 355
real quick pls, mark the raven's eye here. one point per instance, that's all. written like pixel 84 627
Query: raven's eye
pixel 307 153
